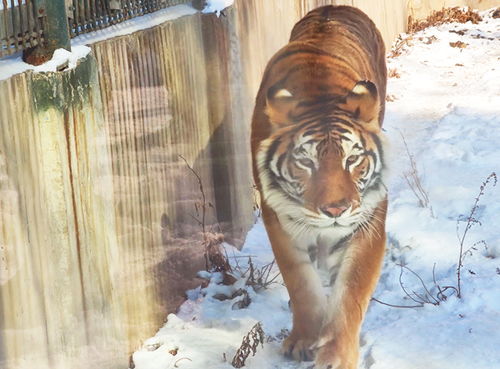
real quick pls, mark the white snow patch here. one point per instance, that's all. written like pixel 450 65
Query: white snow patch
pixel 62 56
pixel 14 65
pixel 447 106
pixel 216 6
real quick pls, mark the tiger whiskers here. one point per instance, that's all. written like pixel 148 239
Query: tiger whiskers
pixel 299 226
pixel 368 224
pixel 365 228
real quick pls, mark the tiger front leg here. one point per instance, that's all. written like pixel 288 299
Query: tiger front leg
pixel 304 288
pixel 308 313
pixel 338 343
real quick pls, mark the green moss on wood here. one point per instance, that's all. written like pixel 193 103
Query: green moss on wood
pixel 60 90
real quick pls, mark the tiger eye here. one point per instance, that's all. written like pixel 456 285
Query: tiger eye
pixel 352 159
pixel 306 162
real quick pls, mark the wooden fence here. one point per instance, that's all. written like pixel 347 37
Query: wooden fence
pixel 23 23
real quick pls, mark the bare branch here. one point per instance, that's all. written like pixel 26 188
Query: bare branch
pixel 412 178
pixel 398 306
pixel 436 302
pixel 202 191
pixel 470 222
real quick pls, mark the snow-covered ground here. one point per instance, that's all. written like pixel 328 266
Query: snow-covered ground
pixel 445 102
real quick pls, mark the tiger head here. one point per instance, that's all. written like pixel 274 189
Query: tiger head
pixel 321 166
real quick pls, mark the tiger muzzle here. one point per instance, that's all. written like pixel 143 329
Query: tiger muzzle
pixel 335 210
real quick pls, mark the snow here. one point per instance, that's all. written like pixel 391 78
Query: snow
pixel 62 56
pixel 446 105
pixel 13 64
pixel 217 6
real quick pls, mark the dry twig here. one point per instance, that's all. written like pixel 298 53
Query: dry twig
pixel 258 278
pixel 445 15
pixel 471 221
pixel 393 73
pixel 399 46
pixel 215 259
pixel 412 178
pixel 249 346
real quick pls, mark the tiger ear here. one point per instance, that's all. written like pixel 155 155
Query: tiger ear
pixel 363 102
pixel 279 103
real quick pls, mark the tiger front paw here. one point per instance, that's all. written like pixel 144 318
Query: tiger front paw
pixel 336 355
pixel 298 348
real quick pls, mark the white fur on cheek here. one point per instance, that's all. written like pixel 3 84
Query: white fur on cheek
pixel 304 226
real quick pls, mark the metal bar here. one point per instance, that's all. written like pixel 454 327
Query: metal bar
pixel 105 13
pixel 36 26
pixel 95 14
pixel 99 17
pixel 90 17
pixel 15 34
pixel 29 22
pixel 76 17
pixel 92 14
pixel 131 12
pixel 98 13
pixel 108 13
pixel 137 8
pixel 133 8
pixel 86 16
pixel 6 26
pixel 128 8
pixel 22 32
pixel 56 28
pixel 113 13
pixel 81 17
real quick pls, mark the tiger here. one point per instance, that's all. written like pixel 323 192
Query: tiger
pixel 318 163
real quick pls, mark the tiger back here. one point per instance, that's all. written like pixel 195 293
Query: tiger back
pixel 318 163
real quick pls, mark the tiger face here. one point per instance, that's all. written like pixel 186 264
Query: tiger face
pixel 321 169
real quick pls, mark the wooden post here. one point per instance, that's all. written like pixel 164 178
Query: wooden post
pixel 54 19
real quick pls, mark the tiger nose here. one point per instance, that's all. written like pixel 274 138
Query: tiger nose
pixel 333 210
